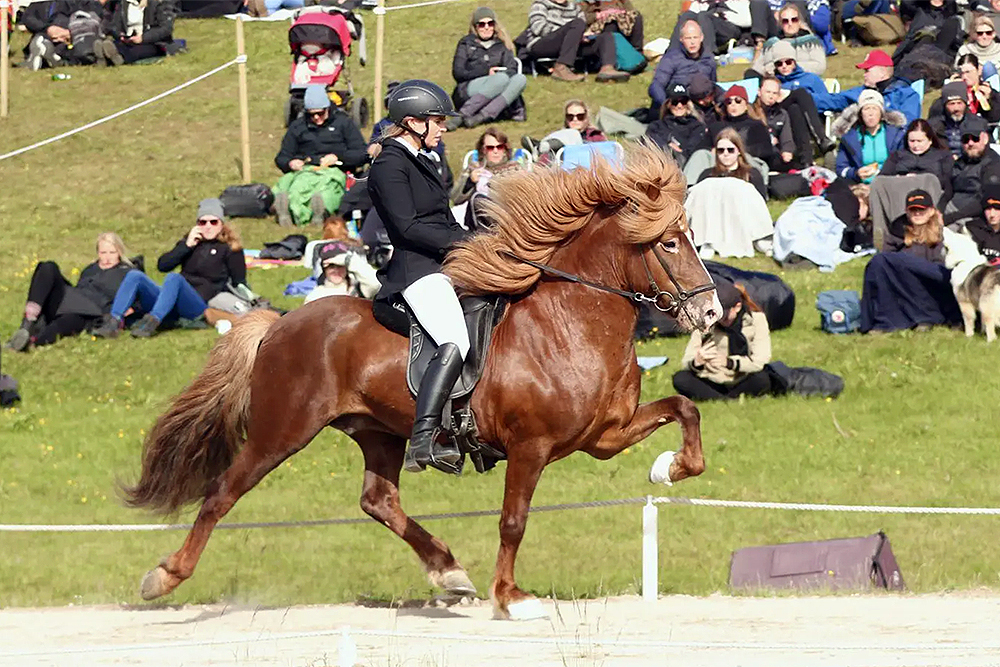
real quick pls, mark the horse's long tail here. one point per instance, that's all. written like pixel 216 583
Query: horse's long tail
pixel 196 439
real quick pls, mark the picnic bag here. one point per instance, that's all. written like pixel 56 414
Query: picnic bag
pixel 247 201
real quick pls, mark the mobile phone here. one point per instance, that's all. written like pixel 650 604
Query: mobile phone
pixel 500 69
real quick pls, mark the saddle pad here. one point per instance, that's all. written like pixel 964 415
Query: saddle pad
pixel 481 315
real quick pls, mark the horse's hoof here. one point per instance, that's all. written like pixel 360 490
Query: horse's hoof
pixel 529 609
pixel 157 583
pixel 455 581
pixel 660 472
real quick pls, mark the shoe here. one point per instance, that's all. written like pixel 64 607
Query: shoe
pixel 764 246
pixel 472 106
pixel 425 449
pixel 19 340
pixel 146 327
pixel 489 112
pixel 109 327
pixel 39 52
pixel 318 208
pixel 106 51
pixel 562 73
pixel 826 145
pixel 609 74
pixel 706 251
pixel 453 123
pixel 282 208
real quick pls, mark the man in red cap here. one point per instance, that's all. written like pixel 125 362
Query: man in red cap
pixel 878 75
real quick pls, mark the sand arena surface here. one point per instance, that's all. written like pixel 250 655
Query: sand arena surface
pixel 960 629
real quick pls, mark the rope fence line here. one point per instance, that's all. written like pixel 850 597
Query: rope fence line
pixel 415 5
pixel 155 98
pixel 661 500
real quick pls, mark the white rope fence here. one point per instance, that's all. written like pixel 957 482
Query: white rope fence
pixel 19 151
pixel 379 10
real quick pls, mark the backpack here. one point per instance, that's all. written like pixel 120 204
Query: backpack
pixel 253 200
pixel 839 311
pixel 627 59
pixel 84 29
pixel 878 29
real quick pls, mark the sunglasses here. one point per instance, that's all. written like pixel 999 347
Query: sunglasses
pixel 679 101
pixel 212 222
pixel 781 63
pixel 576 116
pixel 488 23
pixel 794 19
pixel 984 32
pixel 993 207
pixel 736 100
pixel 725 149
pixel 316 114
pixel 495 147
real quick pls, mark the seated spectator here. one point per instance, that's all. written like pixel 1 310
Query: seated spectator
pixel 615 16
pixel 821 22
pixel 907 285
pixel 752 128
pixel 950 118
pixel 137 30
pixel 556 29
pixel 934 21
pixel 49 40
pixel 879 75
pixel 922 153
pixel 681 63
pixel 985 230
pixel 486 71
pixel 852 8
pixel 211 260
pixel 731 160
pixel 982 44
pixel 803 89
pixel 345 272
pixel 981 99
pixel 851 206
pixel 779 124
pixel 728 361
pixel 55 308
pixel 976 168
pixel 494 157
pixel 707 98
pixel 868 134
pixel 577 129
pixel 806 48
pixel 679 131
pixel 314 146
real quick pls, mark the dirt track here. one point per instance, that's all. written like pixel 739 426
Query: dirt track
pixel 723 631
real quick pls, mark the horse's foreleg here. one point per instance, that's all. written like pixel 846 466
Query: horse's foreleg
pixel 380 500
pixel 524 468
pixel 688 462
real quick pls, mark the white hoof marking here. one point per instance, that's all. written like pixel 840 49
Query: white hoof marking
pixel 526 610
pixel 660 472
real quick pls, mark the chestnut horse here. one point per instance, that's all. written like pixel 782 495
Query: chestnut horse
pixel 560 376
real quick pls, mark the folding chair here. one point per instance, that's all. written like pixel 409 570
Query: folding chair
pixel 519 155
pixel 832 87
pixel 752 86
pixel 572 157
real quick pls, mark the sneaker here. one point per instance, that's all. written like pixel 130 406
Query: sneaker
pixel 19 340
pixel 109 327
pixel 146 327
pixel 764 246
pixel 37 48
pixel 706 251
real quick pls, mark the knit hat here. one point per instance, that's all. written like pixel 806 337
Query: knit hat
pixel 983 21
pixel 869 97
pixel 737 91
pixel 953 91
pixel 483 13
pixel 316 97
pixel 782 50
pixel 211 208
pixel 699 86
pixel 728 295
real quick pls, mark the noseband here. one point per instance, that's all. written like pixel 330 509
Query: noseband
pixel 676 301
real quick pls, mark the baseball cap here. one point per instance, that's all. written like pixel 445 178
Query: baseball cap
pixel 991 196
pixel 877 58
pixel 919 199
pixel 678 92
pixel 334 252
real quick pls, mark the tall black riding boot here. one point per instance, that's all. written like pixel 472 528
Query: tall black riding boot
pixel 436 385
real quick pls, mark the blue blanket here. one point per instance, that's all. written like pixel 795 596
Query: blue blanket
pixel 809 229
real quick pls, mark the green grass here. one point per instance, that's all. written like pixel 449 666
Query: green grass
pixel 916 422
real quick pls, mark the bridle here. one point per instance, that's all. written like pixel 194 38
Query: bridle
pixel 676 301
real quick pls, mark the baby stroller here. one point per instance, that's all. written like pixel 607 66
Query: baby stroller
pixel 320 42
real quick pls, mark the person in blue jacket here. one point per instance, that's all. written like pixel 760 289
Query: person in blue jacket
pixel 680 63
pixel 872 136
pixel 897 91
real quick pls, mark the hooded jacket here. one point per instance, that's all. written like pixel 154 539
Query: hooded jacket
pixel 896 91
pixel 848 128
pixel 799 78
pixel 677 66
pixel 304 140
pixel 986 238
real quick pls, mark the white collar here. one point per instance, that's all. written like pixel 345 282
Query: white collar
pixel 413 151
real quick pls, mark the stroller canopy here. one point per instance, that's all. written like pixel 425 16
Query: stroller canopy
pixel 327 30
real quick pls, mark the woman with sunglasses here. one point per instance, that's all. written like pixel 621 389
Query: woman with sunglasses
pixel 486 71
pixel 210 257
pixel 807 48
pixel 983 45
pixel 411 201
pixel 679 130
pixel 731 161
pixel 752 128
pixel 493 157
pixel 576 129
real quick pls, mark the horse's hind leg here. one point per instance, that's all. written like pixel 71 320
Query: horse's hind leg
pixel 380 500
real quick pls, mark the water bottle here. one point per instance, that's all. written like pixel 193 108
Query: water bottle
pixel 354 224
pixel 61 76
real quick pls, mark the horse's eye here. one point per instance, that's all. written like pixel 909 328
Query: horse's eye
pixel 670 246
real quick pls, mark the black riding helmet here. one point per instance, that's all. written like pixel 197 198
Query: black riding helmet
pixel 421 99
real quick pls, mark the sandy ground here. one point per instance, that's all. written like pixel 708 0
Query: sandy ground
pixel 718 630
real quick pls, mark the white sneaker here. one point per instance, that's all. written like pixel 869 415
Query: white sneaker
pixel 765 246
pixel 36 49
pixel 706 251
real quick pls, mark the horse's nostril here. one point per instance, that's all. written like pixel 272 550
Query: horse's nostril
pixel 710 314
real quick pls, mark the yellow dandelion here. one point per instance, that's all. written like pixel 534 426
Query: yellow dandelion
pixel 79 455
pixel 83 499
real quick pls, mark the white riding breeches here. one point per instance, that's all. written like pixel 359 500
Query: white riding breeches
pixel 435 305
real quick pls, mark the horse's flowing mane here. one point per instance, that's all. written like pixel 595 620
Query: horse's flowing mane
pixel 534 212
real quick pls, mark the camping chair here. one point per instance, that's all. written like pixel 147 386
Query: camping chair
pixel 572 157
pixel 519 155
pixel 832 87
pixel 752 86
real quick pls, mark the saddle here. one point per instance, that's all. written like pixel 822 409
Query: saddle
pixel 482 314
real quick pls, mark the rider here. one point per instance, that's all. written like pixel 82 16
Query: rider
pixel 410 198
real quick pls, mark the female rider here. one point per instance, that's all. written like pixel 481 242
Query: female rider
pixel 409 197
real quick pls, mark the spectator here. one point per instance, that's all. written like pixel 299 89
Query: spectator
pixel 950 117
pixel 922 153
pixel 932 20
pixel 907 285
pixel 577 129
pixel 344 272
pixel 681 64
pixel 985 230
pixel 52 42
pixel 137 30
pixel 679 131
pixel 879 76
pixel 868 135
pixel 707 98
pixel 752 128
pixel 853 8
pixel 779 124
pixel 731 160
pixel 55 308
pixel 486 71
pixel 728 361
pixel 493 157
pixel 803 89
pixel 982 44
pixel 315 145
pixel 796 41
pixel 851 206
pixel 821 21
pixel 976 168
pixel 615 16
pixel 556 29
pixel 211 259
pixel 981 99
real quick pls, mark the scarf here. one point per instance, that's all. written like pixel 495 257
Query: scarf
pixel 738 345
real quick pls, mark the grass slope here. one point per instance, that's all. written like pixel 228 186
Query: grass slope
pixel 916 423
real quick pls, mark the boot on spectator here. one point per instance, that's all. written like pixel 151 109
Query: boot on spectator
pixel 487 113
pixel 107 53
pixel 318 208
pixel 470 108
pixel 608 73
pixel 564 73
pixel 146 327
pixel 282 208
pixel 109 327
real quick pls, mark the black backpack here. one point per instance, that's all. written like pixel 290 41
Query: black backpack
pixel 247 201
